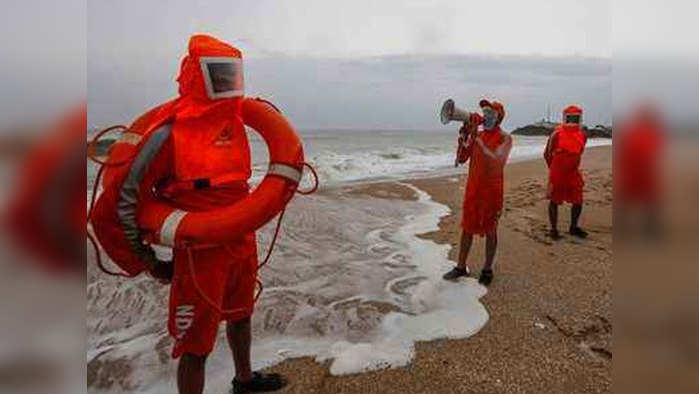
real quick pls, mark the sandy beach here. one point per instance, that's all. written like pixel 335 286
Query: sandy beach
pixel 550 304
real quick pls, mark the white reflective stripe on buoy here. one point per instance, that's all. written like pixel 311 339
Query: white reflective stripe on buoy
pixel 131 138
pixel 285 171
pixel 169 229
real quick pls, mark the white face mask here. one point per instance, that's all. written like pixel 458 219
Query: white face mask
pixel 490 118
pixel 223 76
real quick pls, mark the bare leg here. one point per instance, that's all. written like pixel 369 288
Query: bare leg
pixel 575 212
pixel 239 337
pixel 553 220
pixel 553 216
pixel 190 374
pixel 464 249
pixel 491 245
pixel 461 268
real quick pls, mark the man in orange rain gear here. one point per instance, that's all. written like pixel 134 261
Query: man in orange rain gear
pixel 562 154
pixel 488 150
pixel 200 160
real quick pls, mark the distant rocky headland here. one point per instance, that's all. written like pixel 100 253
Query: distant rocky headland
pixel 545 128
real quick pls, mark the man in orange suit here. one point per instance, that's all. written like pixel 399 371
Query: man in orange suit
pixel 563 154
pixel 198 161
pixel 487 150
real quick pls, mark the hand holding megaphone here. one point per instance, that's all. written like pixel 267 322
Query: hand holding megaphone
pixel 471 121
pixel 451 112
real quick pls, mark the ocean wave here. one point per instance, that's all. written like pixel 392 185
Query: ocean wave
pixel 342 161
pixel 335 167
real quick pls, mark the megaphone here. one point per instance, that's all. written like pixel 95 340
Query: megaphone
pixel 451 112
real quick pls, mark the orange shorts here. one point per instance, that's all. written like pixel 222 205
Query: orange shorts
pixel 227 276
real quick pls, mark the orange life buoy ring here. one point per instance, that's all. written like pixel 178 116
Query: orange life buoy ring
pixel 166 225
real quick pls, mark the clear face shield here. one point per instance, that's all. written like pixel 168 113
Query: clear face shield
pixel 573 118
pixel 223 76
pixel 490 118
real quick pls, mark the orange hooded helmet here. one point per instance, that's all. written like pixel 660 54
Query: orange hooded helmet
pixel 210 109
pixel 572 114
pixel 210 75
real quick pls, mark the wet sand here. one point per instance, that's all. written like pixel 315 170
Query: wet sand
pixel 550 304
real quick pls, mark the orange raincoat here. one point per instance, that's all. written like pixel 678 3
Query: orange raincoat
pixel 200 161
pixel 208 144
pixel 563 154
pixel 483 199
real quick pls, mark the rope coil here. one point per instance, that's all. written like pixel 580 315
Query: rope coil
pixel 92 155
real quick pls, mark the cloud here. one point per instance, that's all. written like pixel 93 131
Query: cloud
pixel 357 28
pixel 360 64
pixel 381 92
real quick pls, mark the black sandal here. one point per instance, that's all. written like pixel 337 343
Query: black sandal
pixel 259 383
pixel 578 232
pixel 486 277
pixel 456 273
pixel 555 235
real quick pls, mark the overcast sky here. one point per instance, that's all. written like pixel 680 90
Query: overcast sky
pixel 360 27
pixel 361 64
pixel 402 55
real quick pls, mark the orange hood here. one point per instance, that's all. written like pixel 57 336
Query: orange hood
pixel 572 110
pixel 193 99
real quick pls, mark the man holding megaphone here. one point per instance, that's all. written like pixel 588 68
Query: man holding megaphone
pixel 487 148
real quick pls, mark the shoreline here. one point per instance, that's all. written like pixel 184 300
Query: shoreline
pixel 543 335
pixel 442 172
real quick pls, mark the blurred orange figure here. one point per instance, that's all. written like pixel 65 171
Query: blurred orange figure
pixel 563 153
pixel 488 150
pixel 638 155
pixel 46 210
